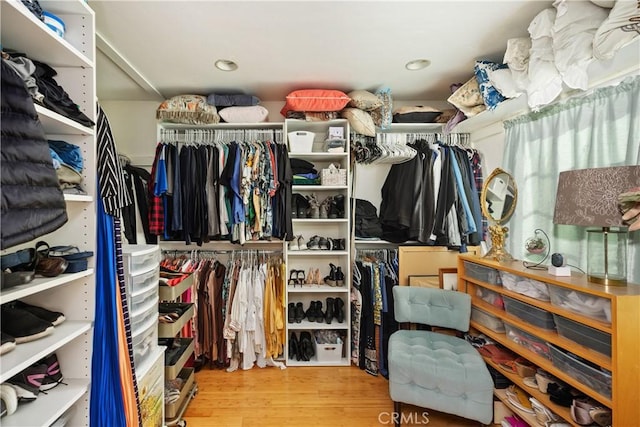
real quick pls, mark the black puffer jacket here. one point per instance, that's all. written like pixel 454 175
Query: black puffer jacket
pixel 32 202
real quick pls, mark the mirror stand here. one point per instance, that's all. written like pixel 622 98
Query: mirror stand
pixel 498 236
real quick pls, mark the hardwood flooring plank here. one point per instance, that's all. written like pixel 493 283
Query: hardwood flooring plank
pixel 300 396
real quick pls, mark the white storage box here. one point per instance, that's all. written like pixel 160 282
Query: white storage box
pixel 301 141
pixel 140 259
pixel 328 352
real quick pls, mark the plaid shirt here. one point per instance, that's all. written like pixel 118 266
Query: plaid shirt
pixel 156 208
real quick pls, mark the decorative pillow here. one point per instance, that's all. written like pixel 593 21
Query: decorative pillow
pixel 253 114
pixel 364 100
pixel 383 116
pixel 467 97
pixel 620 28
pixel 502 79
pixel 238 100
pixel 187 109
pixel 604 3
pixel 360 121
pixel 544 80
pixel 315 100
pixel 415 114
pixel 490 95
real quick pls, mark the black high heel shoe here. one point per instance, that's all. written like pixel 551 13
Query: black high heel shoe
pixel 293 278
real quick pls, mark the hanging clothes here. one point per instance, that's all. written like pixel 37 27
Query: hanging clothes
pixel 433 198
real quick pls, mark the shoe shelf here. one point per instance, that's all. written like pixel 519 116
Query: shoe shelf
pixel 40 284
pixel 176 409
pixel 306 325
pixel 323 157
pixel 319 220
pixel 319 252
pixel 317 288
pixel 172 371
pixel 48 407
pixel 541 397
pixel 616 374
pixel 25 354
pixel 167 330
pixel 78 198
pixel 170 293
pixel 296 188
pixel 315 362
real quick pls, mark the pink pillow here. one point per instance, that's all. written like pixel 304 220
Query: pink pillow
pixel 315 100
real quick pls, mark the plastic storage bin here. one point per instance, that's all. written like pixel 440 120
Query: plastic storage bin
pixel 301 141
pixel 142 317
pixel 482 273
pixel 487 320
pixel 581 303
pixel 491 297
pixel 144 341
pixel 584 335
pixel 525 286
pixel 527 340
pixel 139 259
pixel 141 301
pixel 144 281
pixel 593 377
pixel 529 313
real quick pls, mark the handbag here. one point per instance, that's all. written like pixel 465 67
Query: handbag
pixel 78 260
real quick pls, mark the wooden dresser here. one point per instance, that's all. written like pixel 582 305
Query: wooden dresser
pixel 594 346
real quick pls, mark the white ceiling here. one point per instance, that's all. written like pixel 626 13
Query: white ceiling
pixel 150 50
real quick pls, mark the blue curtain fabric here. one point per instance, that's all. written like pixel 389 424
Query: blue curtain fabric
pixel 597 130
pixel 106 403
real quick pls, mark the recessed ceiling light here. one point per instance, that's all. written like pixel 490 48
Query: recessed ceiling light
pixel 417 64
pixel 226 65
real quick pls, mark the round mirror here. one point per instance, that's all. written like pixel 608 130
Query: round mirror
pixel 499 196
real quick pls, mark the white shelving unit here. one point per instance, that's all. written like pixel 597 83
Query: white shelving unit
pixel 72 294
pixel 308 259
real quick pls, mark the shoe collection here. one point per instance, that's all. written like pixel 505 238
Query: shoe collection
pixel 317 243
pixel 298 277
pixel 334 309
pixel 38 378
pixel 308 207
pixel 22 322
pixel 301 349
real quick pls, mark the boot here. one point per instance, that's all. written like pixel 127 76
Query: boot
pixel 319 312
pixel 331 278
pixel 333 208
pixel 329 314
pixel 338 309
pixel 338 200
pixel 311 312
pixel 314 206
pixel 291 312
pixel 294 345
pixel 303 205
pixel 339 277
pixel 299 314
pixel 306 346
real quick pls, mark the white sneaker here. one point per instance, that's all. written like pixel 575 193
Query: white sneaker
pixel 293 245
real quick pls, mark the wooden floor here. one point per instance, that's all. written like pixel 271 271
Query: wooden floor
pixel 301 396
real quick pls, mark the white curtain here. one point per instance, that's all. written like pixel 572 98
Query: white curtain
pixel 597 130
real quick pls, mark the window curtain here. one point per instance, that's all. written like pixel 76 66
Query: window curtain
pixel 597 130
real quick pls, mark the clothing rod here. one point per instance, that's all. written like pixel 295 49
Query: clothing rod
pixel 219 251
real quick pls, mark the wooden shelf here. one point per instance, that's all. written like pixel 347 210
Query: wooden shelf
pixel 546 335
pixel 541 362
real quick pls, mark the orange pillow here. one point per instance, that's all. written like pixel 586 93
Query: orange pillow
pixel 315 100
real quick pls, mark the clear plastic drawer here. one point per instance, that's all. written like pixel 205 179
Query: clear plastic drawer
pixel 581 303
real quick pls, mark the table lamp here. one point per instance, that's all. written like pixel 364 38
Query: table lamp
pixel 589 198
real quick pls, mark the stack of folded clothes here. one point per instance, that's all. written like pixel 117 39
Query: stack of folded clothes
pixel 68 163
pixel 304 172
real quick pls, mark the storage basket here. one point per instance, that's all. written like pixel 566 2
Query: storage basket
pixel 591 376
pixel 486 319
pixel 530 314
pixel 584 335
pixel 301 141
pixel 527 340
pixel 334 176
pixel 482 273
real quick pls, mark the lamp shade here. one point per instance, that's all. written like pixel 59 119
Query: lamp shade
pixel 589 197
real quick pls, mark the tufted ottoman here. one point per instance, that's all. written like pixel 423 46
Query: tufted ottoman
pixel 433 370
